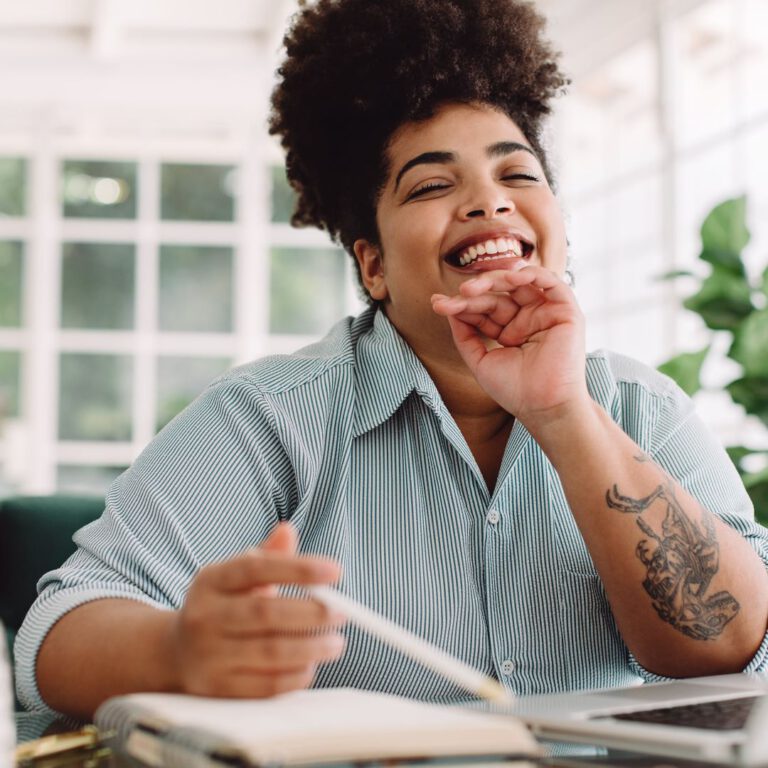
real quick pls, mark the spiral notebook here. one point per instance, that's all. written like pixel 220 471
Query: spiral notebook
pixel 324 726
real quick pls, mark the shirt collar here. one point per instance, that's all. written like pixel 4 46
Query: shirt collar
pixel 387 371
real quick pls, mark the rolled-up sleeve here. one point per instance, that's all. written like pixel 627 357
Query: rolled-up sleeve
pixel 689 452
pixel 212 483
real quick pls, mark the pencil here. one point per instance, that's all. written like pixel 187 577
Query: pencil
pixel 427 654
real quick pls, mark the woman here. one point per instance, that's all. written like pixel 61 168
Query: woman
pixel 451 457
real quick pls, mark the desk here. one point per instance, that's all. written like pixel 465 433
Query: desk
pixel 32 726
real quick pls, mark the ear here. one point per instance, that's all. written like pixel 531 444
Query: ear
pixel 371 264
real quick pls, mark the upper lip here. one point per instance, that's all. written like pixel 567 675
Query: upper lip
pixel 482 237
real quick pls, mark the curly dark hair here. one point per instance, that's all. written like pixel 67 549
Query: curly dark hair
pixel 356 70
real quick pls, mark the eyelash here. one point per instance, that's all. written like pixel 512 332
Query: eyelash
pixel 430 187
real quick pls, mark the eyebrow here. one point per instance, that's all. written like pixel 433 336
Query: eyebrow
pixel 499 149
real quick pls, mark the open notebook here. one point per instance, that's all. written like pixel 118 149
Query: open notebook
pixel 305 727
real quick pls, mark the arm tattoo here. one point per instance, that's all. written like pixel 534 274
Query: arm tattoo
pixel 680 563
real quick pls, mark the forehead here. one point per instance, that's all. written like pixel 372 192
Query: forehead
pixel 459 128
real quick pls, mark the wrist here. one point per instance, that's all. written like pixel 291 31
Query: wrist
pixel 166 673
pixel 564 426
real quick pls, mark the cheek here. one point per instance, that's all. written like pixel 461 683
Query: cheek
pixel 410 234
pixel 553 228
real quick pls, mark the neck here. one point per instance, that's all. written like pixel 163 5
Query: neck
pixel 483 422
pixel 471 407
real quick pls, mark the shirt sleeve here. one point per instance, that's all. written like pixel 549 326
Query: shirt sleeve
pixel 213 483
pixel 690 453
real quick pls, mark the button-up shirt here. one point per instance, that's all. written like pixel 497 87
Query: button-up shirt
pixel 350 441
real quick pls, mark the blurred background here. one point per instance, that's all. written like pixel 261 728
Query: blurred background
pixel 144 237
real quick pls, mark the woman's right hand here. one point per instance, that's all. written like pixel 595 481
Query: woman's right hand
pixel 236 637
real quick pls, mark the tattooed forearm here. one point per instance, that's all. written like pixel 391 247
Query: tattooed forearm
pixel 680 563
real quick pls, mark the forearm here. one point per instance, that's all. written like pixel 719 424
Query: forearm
pixel 689 594
pixel 105 648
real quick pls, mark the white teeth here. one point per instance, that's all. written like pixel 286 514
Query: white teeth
pixel 502 246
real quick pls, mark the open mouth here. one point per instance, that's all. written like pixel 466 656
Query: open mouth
pixel 495 249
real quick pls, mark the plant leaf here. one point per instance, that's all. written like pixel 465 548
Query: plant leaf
pixel 750 345
pixel 764 284
pixel 685 369
pixel 752 394
pixel 738 452
pixel 723 300
pixel 724 235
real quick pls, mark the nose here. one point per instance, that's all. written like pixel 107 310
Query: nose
pixel 487 201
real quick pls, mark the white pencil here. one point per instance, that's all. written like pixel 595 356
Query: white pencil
pixel 427 654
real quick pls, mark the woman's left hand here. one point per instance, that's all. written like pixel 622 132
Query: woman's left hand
pixel 521 334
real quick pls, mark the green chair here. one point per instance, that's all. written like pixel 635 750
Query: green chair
pixel 36 537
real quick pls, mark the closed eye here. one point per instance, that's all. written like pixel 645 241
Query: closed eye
pixel 521 177
pixel 427 188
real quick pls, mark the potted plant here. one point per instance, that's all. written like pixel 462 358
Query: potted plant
pixel 731 304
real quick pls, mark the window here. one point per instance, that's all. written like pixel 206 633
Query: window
pixel 150 282
pixel 651 141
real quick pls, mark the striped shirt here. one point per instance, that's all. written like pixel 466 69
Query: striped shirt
pixel 350 440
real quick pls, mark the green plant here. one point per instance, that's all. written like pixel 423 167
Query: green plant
pixel 731 304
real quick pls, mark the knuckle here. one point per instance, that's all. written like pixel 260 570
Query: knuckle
pixel 263 611
pixel 270 649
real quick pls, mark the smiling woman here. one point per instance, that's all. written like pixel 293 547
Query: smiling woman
pixel 452 457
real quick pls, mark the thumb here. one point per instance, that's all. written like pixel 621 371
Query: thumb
pixel 282 539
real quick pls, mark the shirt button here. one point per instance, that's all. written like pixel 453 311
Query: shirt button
pixel 493 517
pixel 507 667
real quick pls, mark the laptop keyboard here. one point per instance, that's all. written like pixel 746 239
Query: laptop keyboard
pixel 723 715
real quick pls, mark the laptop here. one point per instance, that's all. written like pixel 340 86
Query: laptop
pixel 722 719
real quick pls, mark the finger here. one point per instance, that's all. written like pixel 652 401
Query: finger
pixel 540 319
pixel 283 538
pixel 500 305
pixel 468 343
pixel 484 324
pixel 258 567
pixel 505 280
pixel 252 613
pixel 238 683
pixel 261 686
pixel 281 653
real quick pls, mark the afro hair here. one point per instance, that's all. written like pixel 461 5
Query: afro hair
pixel 356 70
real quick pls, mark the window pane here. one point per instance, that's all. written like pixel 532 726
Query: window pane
pixel 753 50
pixel 87 480
pixel 610 123
pixel 307 289
pixel 10 375
pixel 13 186
pixel 195 288
pixel 707 54
pixel 11 269
pixel 198 192
pixel 283 196
pixel 180 381
pixel 97 285
pixel 95 397
pixel 99 189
